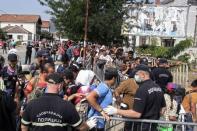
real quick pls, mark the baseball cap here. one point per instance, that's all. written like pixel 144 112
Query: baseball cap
pixel 55 78
pixel 162 61
pixel 12 57
pixel 143 67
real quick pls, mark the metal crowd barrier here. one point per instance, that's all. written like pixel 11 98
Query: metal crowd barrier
pixel 117 124
pixel 181 74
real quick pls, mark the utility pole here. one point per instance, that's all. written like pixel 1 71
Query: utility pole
pixel 86 32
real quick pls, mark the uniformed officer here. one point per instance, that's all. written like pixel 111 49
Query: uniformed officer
pixel 149 101
pixel 51 113
pixel 161 75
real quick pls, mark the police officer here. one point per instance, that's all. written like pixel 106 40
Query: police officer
pixel 149 101
pixel 28 53
pixel 51 113
pixel 161 75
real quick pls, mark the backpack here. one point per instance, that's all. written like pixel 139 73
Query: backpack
pixel 36 92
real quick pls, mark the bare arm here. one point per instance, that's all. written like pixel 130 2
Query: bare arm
pixel 129 113
pixel 92 99
pixel 24 128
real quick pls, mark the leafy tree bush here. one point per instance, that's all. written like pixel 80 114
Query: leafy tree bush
pixel 181 46
pixel 184 58
pixel 157 51
pixel 104 21
pixel 3 35
pixel 46 35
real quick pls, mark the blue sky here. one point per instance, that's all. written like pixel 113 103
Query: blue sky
pixel 24 7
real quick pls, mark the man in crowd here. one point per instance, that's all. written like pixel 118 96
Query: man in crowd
pixel 28 53
pixel 4 47
pixel 101 97
pixel 35 66
pixel 51 113
pixel 9 75
pixel 190 101
pixel 149 101
pixel 161 75
pixel 128 89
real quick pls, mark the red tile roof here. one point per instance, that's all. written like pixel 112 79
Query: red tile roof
pixel 45 24
pixel 16 29
pixel 19 18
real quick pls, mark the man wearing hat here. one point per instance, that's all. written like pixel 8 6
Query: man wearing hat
pixel 34 67
pixel 42 57
pixel 161 75
pixel 148 101
pixel 50 112
pixel 9 75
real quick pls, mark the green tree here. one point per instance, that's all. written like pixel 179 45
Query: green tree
pixel 104 21
pixel 46 35
pixel 3 35
pixel 165 52
pixel 181 46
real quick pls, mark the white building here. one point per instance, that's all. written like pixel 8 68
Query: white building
pixel 192 12
pixel 29 26
pixel 18 33
pixel 190 27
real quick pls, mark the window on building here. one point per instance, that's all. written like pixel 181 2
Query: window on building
pixel 142 40
pixel 29 36
pixel 20 37
pixel 192 2
pixel 168 42
pixel 10 36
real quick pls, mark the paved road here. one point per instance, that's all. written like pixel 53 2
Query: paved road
pixel 21 53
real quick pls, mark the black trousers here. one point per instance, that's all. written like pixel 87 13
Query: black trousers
pixel 28 58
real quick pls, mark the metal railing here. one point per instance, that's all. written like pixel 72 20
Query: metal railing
pixel 180 74
pixel 117 124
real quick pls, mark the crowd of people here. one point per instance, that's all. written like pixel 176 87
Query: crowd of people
pixel 45 94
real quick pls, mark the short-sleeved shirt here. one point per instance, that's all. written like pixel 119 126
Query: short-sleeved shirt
pixel 149 100
pixel 51 113
pixel 104 99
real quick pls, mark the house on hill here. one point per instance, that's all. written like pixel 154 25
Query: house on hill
pixel 21 27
